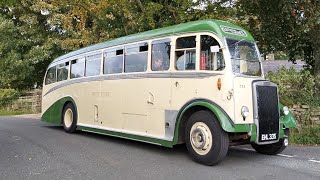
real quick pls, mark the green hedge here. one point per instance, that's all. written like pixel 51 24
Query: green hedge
pixel 299 88
pixel 296 87
pixel 7 96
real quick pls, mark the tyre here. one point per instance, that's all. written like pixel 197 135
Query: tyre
pixel 206 141
pixel 272 149
pixel 69 118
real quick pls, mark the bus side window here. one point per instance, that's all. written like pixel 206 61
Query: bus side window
pixel 186 53
pixel 160 57
pixel 113 61
pixel 77 68
pixel 62 71
pixel 136 58
pixel 51 75
pixel 93 65
pixel 210 60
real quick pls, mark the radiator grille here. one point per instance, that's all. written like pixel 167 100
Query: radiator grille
pixel 268 113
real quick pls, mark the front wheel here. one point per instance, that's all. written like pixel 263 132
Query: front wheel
pixel 273 149
pixel 69 117
pixel 206 141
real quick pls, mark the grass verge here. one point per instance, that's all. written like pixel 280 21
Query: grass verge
pixel 12 113
pixel 307 136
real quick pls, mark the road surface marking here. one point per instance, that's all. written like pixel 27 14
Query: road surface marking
pixel 285 155
pixel 311 160
pixel 289 156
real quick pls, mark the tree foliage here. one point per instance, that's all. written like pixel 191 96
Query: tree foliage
pixel 296 87
pixel 285 25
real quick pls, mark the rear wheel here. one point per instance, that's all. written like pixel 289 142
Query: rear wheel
pixel 273 149
pixel 206 141
pixel 69 118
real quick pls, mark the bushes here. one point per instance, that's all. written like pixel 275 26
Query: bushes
pixel 306 136
pixel 299 88
pixel 296 87
pixel 280 55
pixel 7 96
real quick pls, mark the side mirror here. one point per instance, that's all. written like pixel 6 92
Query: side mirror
pixel 214 49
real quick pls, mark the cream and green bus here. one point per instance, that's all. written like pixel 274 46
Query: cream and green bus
pixel 208 91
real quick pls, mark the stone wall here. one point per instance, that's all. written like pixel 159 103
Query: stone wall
pixel 306 115
pixel 30 101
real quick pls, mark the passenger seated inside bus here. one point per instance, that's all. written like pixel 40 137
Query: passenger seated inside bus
pixel 159 63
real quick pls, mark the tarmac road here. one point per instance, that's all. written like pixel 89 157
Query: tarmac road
pixel 31 149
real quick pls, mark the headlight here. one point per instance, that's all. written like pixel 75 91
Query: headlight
pixel 285 110
pixel 244 111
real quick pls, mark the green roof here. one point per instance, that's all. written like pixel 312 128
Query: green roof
pixel 215 26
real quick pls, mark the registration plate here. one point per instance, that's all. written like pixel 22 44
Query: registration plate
pixel 268 137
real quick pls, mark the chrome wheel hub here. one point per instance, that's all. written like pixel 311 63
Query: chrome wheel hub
pixel 68 118
pixel 201 138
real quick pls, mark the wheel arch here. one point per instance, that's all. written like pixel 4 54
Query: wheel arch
pixel 54 113
pixel 197 105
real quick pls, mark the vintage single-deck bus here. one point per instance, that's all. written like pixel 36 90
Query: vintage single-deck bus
pixel 200 83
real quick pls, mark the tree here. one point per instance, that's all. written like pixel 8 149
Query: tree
pixel 285 25
pixel 27 44
pixel 13 69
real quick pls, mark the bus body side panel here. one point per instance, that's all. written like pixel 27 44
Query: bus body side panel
pixel 135 105
pixel 112 100
pixel 124 106
pixel 158 100
pixel 83 93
